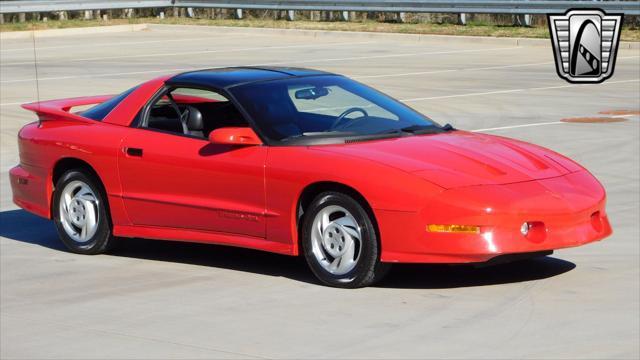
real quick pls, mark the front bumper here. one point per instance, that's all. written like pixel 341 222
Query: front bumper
pixel 566 211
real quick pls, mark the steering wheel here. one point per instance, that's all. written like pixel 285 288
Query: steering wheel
pixel 344 114
pixel 182 115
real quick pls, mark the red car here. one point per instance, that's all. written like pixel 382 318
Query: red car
pixel 297 161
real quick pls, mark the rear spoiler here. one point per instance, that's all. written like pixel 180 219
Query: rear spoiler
pixel 59 109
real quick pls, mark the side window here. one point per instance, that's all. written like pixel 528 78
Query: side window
pixel 192 112
pixel 101 110
pixel 332 101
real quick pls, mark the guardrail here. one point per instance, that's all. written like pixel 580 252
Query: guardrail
pixel 425 6
pixel 397 6
pixel 28 6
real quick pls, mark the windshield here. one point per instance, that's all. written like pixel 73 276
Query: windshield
pixel 325 106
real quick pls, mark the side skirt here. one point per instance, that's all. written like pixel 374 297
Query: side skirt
pixel 198 236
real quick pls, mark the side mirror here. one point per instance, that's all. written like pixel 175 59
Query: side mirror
pixel 234 136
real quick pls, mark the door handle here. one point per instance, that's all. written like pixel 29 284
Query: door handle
pixel 134 151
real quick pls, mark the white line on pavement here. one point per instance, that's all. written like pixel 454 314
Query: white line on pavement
pixel 538 124
pixel 446 71
pixel 184 53
pixel 519 126
pixel 464 69
pixel 513 91
pixel 167 71
pixel 15 103
pixel 258 64
pixel 92 45
pixel 391 56
pixel 623 116
pixel 462 95
pixel 407 100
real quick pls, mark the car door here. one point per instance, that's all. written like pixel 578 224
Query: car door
pixel 172 180
pixel 181 182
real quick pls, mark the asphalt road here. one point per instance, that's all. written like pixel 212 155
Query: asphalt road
pixel 155 299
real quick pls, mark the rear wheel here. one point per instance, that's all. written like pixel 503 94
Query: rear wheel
pixel 80 213
pixel 340 242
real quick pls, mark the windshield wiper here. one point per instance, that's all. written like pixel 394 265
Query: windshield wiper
pixel 413 130
pixel 448 127
pixel 419 129
pixel 426 129
pixel 328 133
pixel 352 136
pixel 318 134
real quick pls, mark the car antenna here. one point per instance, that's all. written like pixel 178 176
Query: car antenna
pixel 35 64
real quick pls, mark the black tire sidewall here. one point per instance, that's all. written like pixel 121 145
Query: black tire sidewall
pixel 369 253
pixel 100 240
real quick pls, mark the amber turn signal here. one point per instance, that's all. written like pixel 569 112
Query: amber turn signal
pixel 467 229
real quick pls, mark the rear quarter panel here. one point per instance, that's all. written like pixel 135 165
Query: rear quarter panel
pixel 43 145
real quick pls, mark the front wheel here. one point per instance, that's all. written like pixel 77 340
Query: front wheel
pixel 80 213
pixel 340 242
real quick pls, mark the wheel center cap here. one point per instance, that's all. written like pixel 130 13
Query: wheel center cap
pixel 333 240
pixel 77 212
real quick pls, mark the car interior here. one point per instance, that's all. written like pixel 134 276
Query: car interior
pixel 193 112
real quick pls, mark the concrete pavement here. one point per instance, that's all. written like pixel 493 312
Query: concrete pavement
pixel 154 299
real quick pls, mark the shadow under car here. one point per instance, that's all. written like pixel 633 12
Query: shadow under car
pixel 19 225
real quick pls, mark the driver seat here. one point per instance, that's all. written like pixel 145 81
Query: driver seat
pixel 195 122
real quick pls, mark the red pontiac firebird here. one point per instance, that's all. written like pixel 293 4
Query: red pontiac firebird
pixel 297 161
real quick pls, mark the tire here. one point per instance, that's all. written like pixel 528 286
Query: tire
pixel 80 213
pixel 330 229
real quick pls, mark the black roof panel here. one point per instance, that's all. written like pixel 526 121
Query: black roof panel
pixel 225 77
pixel 293 71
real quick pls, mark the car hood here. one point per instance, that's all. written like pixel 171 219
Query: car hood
pixel 460 158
